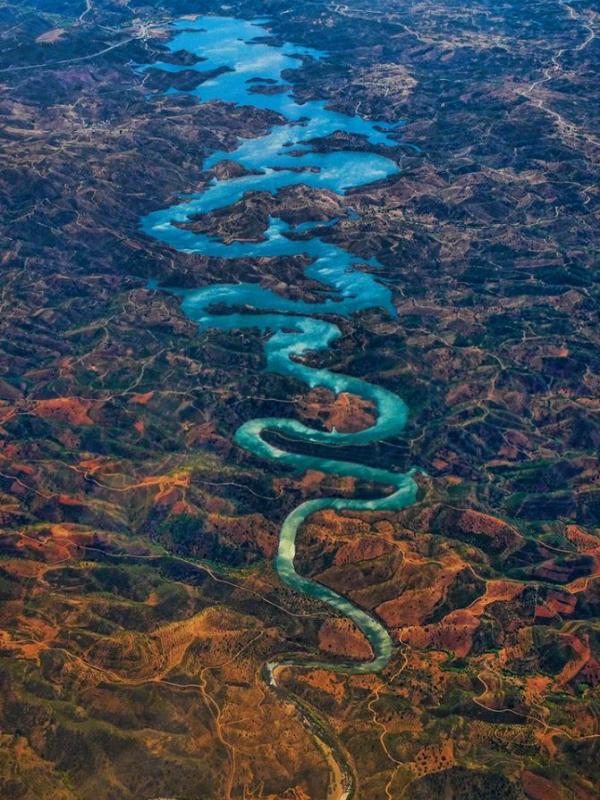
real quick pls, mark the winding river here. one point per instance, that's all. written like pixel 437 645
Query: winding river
pixel 281 158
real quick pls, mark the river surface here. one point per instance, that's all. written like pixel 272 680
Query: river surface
pixel 281 158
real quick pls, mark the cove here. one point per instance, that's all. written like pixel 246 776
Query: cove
pixel 284 157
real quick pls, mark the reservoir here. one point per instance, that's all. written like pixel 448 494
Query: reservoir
pixel 284 157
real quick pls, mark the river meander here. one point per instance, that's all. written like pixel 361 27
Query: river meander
pixel 281 158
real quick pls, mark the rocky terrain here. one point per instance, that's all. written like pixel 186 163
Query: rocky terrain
pixel 139 604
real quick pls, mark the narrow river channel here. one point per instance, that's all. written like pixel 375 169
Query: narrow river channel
pixel 281 158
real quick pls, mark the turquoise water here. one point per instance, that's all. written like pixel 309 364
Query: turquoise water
pixel 281 158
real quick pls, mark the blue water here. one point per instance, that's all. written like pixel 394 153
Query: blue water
pixel 284 157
